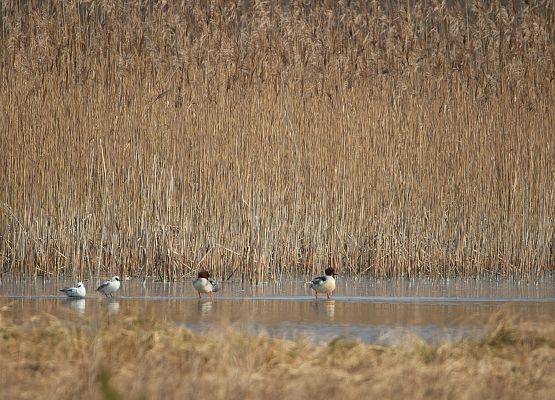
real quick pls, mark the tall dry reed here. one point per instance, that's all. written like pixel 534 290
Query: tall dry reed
pixel 268 138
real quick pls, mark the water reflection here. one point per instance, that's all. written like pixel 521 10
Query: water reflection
pixel 330 309
pixel 322 309
pixel 204 309
pixel 113 307
pixel 77 305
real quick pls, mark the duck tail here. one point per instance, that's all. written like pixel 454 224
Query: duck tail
pixel 215 286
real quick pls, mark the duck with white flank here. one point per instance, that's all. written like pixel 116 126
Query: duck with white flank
pixel 110 287
pixel 203 284
pixel 324 284
pixel 77 292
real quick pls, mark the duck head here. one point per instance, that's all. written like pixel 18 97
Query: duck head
pixel 204 274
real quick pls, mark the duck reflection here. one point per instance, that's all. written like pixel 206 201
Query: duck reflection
pixel 326 309
pixel 330 309
pixel 113 307
pixel 77 305
pixel 205 309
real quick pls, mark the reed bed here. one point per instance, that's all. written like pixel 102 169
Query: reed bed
pixel 264 139
pixel 133 358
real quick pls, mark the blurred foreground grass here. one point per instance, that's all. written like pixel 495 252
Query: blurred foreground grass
pixel 134 358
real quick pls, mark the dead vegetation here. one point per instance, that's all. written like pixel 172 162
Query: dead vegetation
pixel 133 358
pixel 151 138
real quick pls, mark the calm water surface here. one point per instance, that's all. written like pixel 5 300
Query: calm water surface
pixel 377 311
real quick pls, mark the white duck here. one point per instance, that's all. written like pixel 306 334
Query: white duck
pixel 203 284
pixel 110 287
pixel 324 284
pixel 78 291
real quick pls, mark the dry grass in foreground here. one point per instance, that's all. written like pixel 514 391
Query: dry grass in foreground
pixel 132 358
